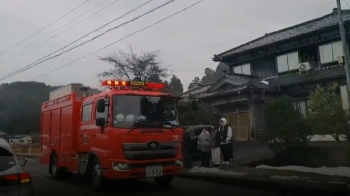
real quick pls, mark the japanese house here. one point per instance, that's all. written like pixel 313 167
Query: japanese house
pixel 291 61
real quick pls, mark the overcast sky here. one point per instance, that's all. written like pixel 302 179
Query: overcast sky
pixel 187 42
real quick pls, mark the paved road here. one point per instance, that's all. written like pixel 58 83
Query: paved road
pixel 44 186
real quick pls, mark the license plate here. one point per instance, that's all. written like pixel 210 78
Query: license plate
pixel 154 171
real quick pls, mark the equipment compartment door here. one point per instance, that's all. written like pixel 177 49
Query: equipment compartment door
pixel 55 129
pixel 86 126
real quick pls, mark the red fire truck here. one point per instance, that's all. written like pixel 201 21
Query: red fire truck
pixel 128 131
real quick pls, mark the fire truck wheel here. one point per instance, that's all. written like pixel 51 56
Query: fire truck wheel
pixel 97 179
pixel 164 180
pixel 55 172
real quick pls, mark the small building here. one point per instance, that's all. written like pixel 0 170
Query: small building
pixel 20 139
pixel 291 61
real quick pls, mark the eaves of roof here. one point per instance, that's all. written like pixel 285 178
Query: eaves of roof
pixel 314 75
pixel 304 28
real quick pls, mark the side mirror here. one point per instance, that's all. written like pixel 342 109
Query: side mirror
pixel 100 122
pixel 22 161
pixel 100 106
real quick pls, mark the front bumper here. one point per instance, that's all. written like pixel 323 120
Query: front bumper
pixel 137 169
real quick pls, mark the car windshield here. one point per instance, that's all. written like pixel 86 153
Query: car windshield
pixel 132 111
pixel 7 160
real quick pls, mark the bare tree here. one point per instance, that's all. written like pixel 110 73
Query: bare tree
pixel 133 66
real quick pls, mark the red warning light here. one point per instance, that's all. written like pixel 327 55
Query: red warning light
pixel 114 83
pixel 155 85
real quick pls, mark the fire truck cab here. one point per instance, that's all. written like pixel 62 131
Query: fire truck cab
pixel 129 131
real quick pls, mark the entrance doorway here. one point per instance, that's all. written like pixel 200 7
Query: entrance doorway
pixel 239 123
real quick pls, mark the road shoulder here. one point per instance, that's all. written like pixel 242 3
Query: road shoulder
pixel 275 181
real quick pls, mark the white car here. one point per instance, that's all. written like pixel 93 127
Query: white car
pixel 14 180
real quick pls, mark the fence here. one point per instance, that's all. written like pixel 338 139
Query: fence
pixel 26 149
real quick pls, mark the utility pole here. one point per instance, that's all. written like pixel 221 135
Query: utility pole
pixel 345 46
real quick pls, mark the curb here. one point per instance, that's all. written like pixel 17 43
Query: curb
pixel 256 162
pixel 283 187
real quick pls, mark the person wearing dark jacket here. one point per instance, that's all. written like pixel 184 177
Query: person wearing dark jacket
pixel 226 137
pixel 186 149
pixel 215 140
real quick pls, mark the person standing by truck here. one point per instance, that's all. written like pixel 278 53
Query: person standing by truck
pixel 187 148
pixel 226 135
pixel 204 147
pixel 215 140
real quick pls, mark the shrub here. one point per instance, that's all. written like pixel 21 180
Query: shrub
pixel 328 116
pixel 285 126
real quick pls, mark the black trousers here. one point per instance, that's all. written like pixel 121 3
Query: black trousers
pixel 231 150
pixel 206 159
pixel 226 150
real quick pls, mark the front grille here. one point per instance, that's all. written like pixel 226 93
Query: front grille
pixel 149 155
pixel 143 146
pixel 139 151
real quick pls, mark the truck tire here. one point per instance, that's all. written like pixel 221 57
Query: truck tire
pixel 56 172
pixel 97 179
pixel 164 180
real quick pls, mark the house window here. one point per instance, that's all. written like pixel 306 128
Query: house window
pixel 242 69
pixel 86 113
pixel 301 106
pixel 21 141
pixel 330 52
pixel 288 62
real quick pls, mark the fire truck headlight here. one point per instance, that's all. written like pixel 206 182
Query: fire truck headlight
pixel 178 163
pixel 120 166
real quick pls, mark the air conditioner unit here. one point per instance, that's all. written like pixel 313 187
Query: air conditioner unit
pixel 304 66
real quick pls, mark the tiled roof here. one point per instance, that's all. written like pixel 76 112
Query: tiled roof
pixel 317 24
pixel 246 79
pixel 243 82
pixel 255 82
pixel 329 72
pixel 241 77
pixel 229 89
pixel 195 91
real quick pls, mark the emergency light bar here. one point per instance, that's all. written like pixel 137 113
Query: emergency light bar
pixel 133 83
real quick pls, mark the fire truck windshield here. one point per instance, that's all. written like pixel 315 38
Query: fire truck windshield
pixel 144 111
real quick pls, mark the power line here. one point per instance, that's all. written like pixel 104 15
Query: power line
pixel 138 31
pixel 44 27
pixel 25 49
pixel 95 37
pixel 346 3
pixel 80 37
pixel 111 29
pixel 70 21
